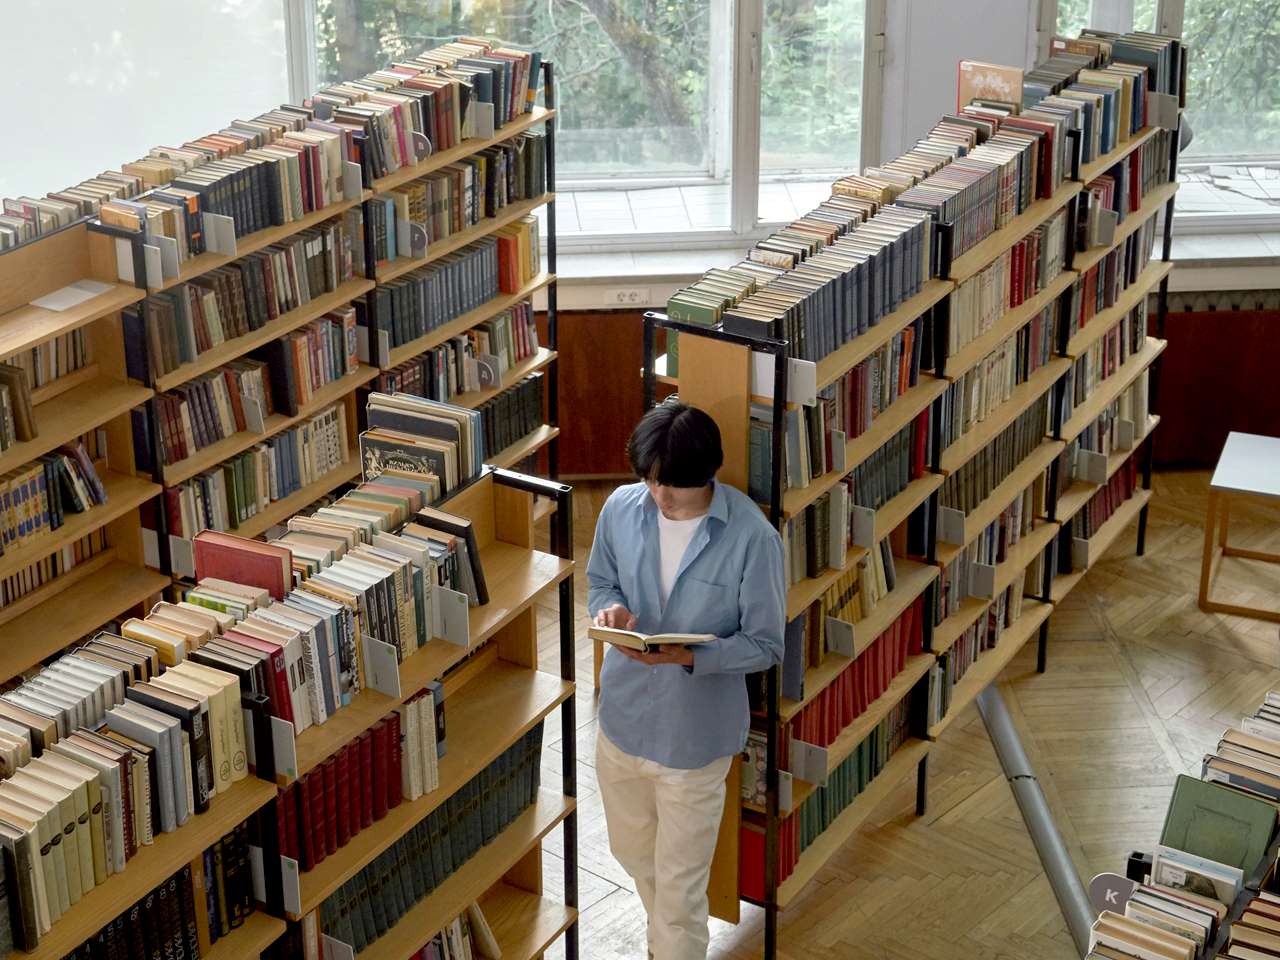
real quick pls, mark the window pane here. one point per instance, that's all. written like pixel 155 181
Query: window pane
pixel 1233 87
pixel 810 98
pixel 130 79
pixel 1144 15
pixel 1073 16
pixel 632 75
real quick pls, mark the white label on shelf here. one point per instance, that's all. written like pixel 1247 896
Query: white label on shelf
pixel 259 875
pixel 422 145
pixel 352 187
pixel 808 762
pixel 381 668
pixel 490 371
pixel 404 237
pixel 1079 553
pixel 1162 110
pixel 838 451
pixel 255 417
pixel 150 548
pixel 452 616
pixel 336 949
pixel 124 260
pixel 292 882
pixel 154 265
pixel 982 580
pixel 785 792
pixel 840 637
pixel 802 379
pixel 951 525
pixel 182 556
pixel 417 240
pixel 168 256
pixel 220 234
pixel 286 749
pixel 1104 227
pixel 1093 466
pixel 1110 891
pixel 1126 434
pixel 864 526
pixel 482 120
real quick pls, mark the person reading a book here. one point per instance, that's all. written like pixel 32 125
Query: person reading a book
pixel 678 553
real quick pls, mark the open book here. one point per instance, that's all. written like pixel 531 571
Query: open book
pixel 645 643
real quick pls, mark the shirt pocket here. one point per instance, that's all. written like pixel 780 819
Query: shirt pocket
pixel 707 607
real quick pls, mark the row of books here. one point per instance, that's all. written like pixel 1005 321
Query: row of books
pixel 23 219
pixel 174 327
pixel 1100 286
pixel 476 359
pixel 240 488
pixel 963 576
pixel 375 899
pixel 17 415
pixel 844 785
pixel 1124 186
pixel 460 195
pixel 48 568
pixel 411 306
pixel 1119 427
pixel 1013 277
pixel 1119 488
pixel 982 389
pixel 1112 93
pixel 45 363
pixel 468 937
pixel 973 481
pixel 35 498
pixel 968 648
pixel 1103 358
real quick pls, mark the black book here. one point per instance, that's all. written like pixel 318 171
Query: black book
pixel 464 529
pixel 195 721
pixel 187 906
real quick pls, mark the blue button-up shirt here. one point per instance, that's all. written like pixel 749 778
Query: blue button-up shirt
pixel 730 583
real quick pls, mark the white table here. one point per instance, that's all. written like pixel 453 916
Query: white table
pixel 1249 466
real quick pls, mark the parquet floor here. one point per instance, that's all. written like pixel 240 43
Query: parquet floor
pixel 1140 685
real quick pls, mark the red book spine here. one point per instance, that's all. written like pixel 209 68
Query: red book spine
pixel 356 792
pixel 342 806
pixel 395 754
pixel 314 788
pixel 381 762
pixel 366 771
pixel 281 705
pixel 329 779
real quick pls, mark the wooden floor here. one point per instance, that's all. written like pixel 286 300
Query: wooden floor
pixel 1140 685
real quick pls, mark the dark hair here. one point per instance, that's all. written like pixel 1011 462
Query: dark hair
pixel 676 445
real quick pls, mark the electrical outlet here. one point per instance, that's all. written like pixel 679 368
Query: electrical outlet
pixel 628 297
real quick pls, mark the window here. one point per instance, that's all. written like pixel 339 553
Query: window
pixel 126 77
pixel 1073 16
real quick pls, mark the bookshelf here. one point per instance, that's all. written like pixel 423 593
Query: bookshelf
pixel 715 375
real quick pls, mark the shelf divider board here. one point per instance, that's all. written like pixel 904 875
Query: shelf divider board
pixel 235 347
pixel 472 879
pixel 227 447
pixel 49 626
pixel 1078 494
pixel 1100 542
pixel 1110 388
pixel 1152 203
pixel 1020 399
pixel 849 355
pixel 524 923
pixel 124 493
pixel 896 416
pixel 456 241
pixel 70 414
pixel 152 865
pixel 524 447
pixel 516 578
pixel 472 399
pixel 1096 168
pixel 442 159
pixel 1010 487
pixel 913 578
pixel 258 932
pixel 1130 297
pixel 282 510
pixel 28 326
pixel 982 253
pixel 901 765
pixel 1013 320
pixel 991 664
pixel 468 320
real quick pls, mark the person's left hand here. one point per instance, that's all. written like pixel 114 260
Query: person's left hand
pixel 667 653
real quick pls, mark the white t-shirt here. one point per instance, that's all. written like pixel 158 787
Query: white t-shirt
pixel 674 537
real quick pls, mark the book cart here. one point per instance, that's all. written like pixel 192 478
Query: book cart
pixel 495 677
pixel 717 375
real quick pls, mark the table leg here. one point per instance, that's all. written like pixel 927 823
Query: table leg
pixel 1206 559
pixel 1224 507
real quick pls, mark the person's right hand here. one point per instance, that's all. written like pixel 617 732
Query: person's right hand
pixel 617 616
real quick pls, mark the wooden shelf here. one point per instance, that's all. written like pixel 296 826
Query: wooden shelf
pixel 456 241
pixel 70 414
pixel 522 448
pixel 516 578
pixel 468 320
pixel 51 624
pixel 976 350
pixel 840 361
pixel 228 447
pixel 1010 487
pixel 1130 297
pixel 529 365
pixel 1152 203
pixel 471 880
pixel 272 330
pixel 152 865
pixel 442 159
pixel 282 510
pixel 523 923
pixel 901 765
pixel 896 416
pixel 124 493
pixel 968 446
pixel 878 709
pixel 991 663
pixel 28 326
pixel 982 253
pixel 1100 542
pixel 954 624
pixel 258 932
pixel 543 507
pixel 1079 493
pixel 1096 168
pixel 913 578
pixel 251 243
pixel 498 707
pixel 1107 390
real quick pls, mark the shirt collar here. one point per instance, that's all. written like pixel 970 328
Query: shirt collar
pixel 719 509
